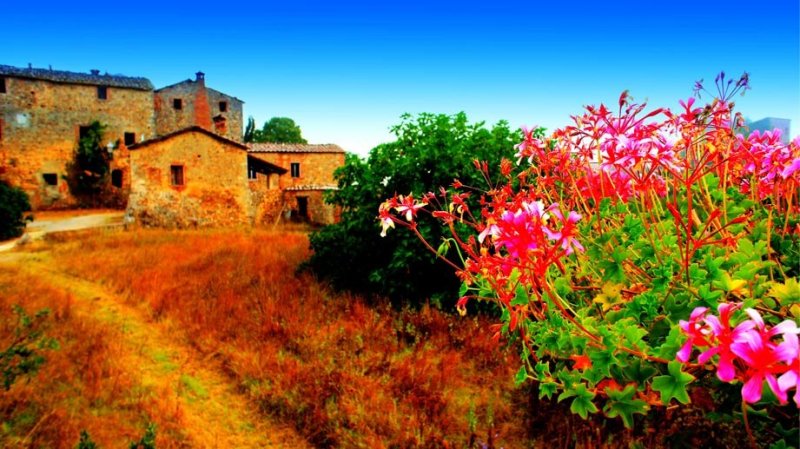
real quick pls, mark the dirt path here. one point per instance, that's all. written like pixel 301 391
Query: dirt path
pixel 208 398
pixel 49 222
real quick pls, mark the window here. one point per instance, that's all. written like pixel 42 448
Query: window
pixel 177 103
pixel 116 178
pixel 251 174
pixel 2 85
pixel 50 179
pixel 223 106
pixel 176 174
pixel 102 92
pixel 83 132
pixel 130 139
pixel 295 169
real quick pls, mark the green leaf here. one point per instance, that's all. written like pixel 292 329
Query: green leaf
pixel 547 389
pixel 787 293
pixel 521 376
pixel 639 371
pixel 521 297
pixel 674 384
pixel 622 404
pixel 582 405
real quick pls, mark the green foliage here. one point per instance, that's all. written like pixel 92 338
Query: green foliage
pixel 148 440
pixel 250 130
pixel 13 205
pixel 86 441
pixel 88 172
pixel 622 403
pixel 276 130
pixel 429 150
pixel 23 355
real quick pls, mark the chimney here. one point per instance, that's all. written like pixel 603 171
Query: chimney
pixel 95 72
pixel 202 109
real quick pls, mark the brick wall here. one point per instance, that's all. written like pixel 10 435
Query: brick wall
pixel 215 191
pixel 39 125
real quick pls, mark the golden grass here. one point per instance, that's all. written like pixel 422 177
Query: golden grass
pixel 345 374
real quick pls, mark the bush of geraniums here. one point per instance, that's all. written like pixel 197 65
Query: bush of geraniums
pixel 640 258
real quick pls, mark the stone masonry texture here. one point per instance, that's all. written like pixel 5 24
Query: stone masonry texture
pixel 39 129
pixel 214 190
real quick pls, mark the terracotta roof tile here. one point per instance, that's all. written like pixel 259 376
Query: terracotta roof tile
pixel 293 148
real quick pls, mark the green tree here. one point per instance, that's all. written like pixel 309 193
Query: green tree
pixel 430 151
pixel 279 130
pixel 13 204
pixel 87 173
pixel 250 130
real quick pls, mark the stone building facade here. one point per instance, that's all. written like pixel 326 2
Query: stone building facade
pixel 178 156
pixel 41 115
pixel 42 112
pixel 309 174
pixel 190 103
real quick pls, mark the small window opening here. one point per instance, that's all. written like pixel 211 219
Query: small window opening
pixel 223 106
pixel 295 169
pixel 116 178
pixel 2 85
pixel 102 92
pixel 50 179
pixel 176 174
pixel 251 174
pixel 84 132
pixel 177 103
pixel 130 139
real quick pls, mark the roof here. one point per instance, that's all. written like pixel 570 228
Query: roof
pixel 149 142
pixel 293 148
pixel 312 187
pixel 61 76
pixel 264 166
pixel 193 82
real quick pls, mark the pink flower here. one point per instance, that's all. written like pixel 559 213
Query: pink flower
pixel 789 352
pixel 566 235
pixel 695 331
pixel 763 363
pixel 764 358
pixel 724 336
pixel 409 206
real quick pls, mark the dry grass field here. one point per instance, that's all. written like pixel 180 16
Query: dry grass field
pixel 217 339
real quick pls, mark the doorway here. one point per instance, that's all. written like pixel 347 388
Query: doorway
pixel 302 208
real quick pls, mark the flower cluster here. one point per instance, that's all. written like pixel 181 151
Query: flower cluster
pixel 612 224
pixel 747 352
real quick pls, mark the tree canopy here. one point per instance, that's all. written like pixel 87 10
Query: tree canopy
pixel 276 130
pixel 429 151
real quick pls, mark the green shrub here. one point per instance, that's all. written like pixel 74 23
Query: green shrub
pixel 13 205
pixel 430 150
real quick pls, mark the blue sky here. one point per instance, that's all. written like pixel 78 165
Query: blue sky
pixel 346 71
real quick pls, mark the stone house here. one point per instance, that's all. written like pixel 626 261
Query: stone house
pixel 177 151
pixel 43 113
pixel 191 103
pixel 310 174
pixel 192 177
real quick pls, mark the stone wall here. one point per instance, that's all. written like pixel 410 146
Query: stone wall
pixel 39 129
pixel 169 119
pixel 214 193
pixel 315 168
pixel 265 199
